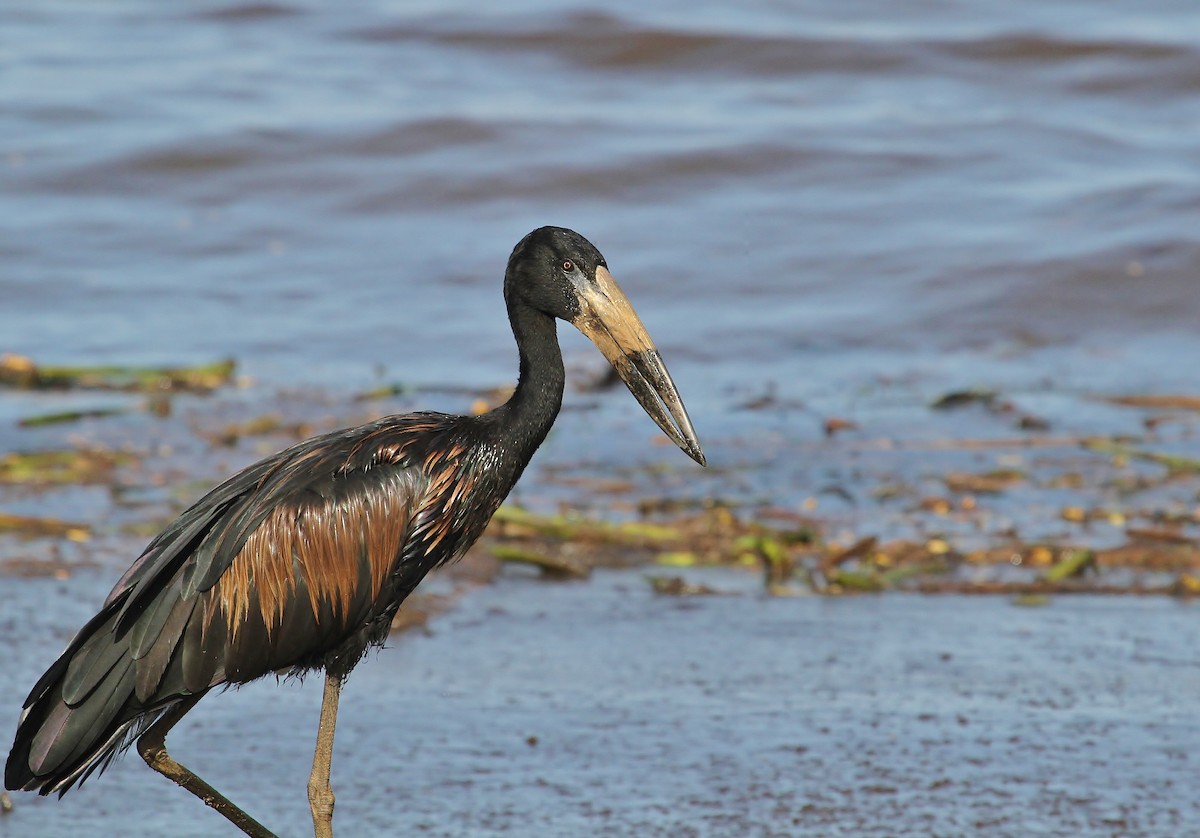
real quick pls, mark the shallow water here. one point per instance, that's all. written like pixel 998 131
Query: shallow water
pixel 829 210
pixel 598 709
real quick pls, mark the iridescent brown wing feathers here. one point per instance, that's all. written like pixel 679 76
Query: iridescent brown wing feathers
pixel 292 563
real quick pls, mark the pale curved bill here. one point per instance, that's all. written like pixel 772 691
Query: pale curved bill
pixel 607 319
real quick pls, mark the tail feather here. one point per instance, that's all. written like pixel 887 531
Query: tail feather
pixel 57 670
pixel 97 699
pixel 49 731
pixel 90 666
pixel 76 738
pixel 57 740
pixel 108 750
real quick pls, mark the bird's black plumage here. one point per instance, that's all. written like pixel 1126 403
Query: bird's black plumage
pixel 301 560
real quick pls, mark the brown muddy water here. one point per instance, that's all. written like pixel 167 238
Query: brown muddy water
pixel 821 210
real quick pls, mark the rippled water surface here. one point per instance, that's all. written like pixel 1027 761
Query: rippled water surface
pixel 315 189
pixel 839 208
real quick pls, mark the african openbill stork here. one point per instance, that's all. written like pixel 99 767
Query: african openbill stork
pixel 300 561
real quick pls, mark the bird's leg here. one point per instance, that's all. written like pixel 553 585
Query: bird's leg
pixel 152 746
pixel 320 793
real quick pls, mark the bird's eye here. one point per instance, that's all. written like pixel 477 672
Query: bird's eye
pixel 568 266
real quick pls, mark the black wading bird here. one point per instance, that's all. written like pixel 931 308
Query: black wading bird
pixel 300 561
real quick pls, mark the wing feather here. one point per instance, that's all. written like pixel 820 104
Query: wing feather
pixel 297 561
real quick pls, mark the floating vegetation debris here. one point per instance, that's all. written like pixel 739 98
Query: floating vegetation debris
pixel 515 521
pixel 1073 563
pixel 678 586
pixel 270 423
pixel 990 483
pixel 1162 402
pixel 77 466
pixel 1118 449
pixel 993 403
pixel 20 372
pixel 384 391
pixel 65 416
pixel 1020 516
pixel 853 581
pixel 962 398
pixel 552 565
pixel 31 526
pixel 677 558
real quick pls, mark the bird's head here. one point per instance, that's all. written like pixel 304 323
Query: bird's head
pixel 562 274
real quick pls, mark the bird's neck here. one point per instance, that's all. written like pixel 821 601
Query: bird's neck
pixel 535 403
